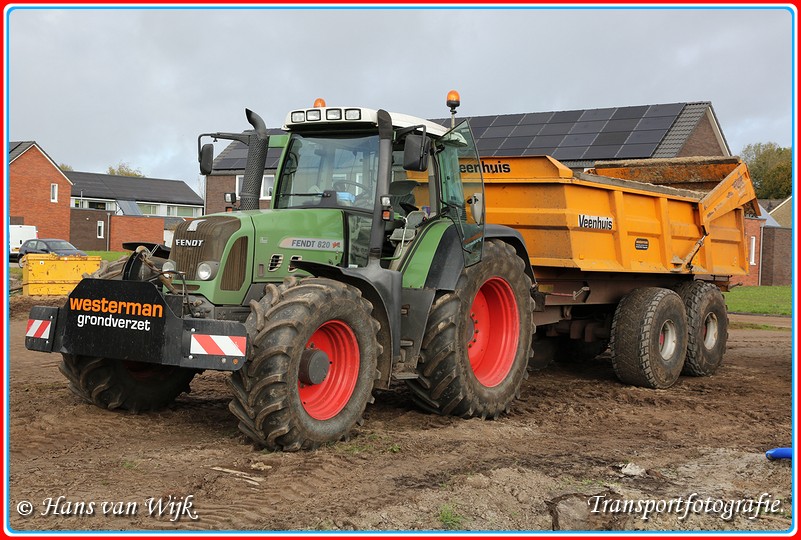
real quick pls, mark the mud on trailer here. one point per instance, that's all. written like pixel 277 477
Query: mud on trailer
pixel 380 260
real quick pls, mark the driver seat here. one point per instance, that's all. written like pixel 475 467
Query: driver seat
pixel 400 191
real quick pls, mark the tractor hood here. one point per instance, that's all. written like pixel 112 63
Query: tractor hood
pixel 283 236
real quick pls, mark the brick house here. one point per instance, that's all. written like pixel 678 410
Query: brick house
pixel 770 250
pixel 783 212
pixel 108 210
pixel 38 191
pixel 228 174
pixel 777 256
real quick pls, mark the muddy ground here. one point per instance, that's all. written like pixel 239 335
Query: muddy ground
pixel 578 451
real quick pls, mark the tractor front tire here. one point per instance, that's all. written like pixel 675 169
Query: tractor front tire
pixel 649 338
pixel 123 384
pixel 707 327
pixel 312 366
pixel 477 341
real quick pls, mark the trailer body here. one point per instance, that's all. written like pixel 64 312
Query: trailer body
pixel 599 223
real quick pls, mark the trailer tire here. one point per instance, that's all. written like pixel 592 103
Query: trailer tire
pixel 707 327
pixel 487 317
pixel 281 398
pixel 649 338
pixel 121 384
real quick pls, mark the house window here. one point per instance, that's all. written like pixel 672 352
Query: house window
pixel 753 251
pixel 53 192
pixel 267 182
pixel 148 209
pixel 101 230
pixel 185 211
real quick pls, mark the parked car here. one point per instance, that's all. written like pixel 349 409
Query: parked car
pixel 48 245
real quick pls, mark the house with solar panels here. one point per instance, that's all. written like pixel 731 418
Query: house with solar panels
pixel 577 138
pixel 580 138
pixel 107 210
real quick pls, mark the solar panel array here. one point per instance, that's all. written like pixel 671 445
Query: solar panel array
pixel 612 133
pixel 591 134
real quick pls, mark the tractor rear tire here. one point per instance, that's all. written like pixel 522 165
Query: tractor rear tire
pixel 707 327
pixel 649 338
pixel 279 404
pixel 478 339
pixel 122 384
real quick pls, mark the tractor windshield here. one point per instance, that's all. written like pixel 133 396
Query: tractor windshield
pixel 329 171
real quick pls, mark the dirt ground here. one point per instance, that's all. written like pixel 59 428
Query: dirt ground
pixel 578 451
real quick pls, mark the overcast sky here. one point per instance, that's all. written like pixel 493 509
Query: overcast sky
pixel 98 86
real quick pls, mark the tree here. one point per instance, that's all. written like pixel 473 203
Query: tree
pixel 771 168
pixel 65 167
pixel 124 169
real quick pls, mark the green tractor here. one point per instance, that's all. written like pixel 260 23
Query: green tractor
pixel 372 265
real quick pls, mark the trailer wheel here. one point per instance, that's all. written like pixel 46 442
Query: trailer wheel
pixel 312 366
pixel 707 327
pixel 121 384
pixel 649 338
pixel 478 339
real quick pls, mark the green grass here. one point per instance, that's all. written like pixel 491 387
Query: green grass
pixel 775 300
pixel 110 256
pixel 450 518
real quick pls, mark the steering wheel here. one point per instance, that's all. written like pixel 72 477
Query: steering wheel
pixel 408 207
pixel 348 183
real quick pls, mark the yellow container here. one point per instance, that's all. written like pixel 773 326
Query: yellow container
pixel 51 275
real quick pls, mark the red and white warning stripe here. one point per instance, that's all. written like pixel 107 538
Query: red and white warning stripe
pixel 38 329
pixel 218 345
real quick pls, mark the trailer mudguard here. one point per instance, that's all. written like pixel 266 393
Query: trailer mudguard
pixel 131 320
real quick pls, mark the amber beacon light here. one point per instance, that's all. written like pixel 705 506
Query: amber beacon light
pixel 453 100
pixel 319 102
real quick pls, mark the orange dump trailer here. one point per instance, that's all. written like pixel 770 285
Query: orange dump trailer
pixel 603 223
pixel 623 259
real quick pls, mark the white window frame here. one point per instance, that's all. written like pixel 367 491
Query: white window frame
pixel 753 251
pixel 101 229
pixel 240 179
pixel 54 193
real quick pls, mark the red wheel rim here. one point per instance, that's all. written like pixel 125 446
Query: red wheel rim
pixel 325 400
pixel 492 347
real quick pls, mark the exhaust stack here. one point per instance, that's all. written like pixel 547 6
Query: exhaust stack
pixel 258 142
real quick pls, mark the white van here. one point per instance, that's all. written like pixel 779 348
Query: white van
pixel 17 234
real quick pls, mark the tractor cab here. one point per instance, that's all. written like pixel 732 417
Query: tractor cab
pixel 421 173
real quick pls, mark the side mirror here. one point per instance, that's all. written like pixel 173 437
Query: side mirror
pixel 476 207
pixel 230 198
pixel 415 152
pixel 206 158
